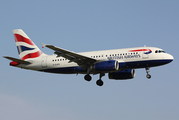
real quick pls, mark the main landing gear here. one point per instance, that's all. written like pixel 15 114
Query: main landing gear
pixel 98 82
pixel 147 71
pixel 87 77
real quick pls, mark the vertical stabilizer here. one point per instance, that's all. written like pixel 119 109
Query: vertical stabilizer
pixel 25 46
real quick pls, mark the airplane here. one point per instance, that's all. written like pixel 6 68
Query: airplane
pixel 120 64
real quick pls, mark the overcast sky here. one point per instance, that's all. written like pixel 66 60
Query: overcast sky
pixel 80 26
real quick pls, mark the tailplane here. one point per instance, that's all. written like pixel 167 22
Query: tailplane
pixel 25 46
pixel 16 61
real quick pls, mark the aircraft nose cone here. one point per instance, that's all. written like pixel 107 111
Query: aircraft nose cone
pixel 170 58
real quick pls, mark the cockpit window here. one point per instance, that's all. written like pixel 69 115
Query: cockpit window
pixel 159 51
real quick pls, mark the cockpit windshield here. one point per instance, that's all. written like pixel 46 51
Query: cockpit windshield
pixel 160 51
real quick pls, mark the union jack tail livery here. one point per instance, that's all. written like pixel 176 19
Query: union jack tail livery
pixel 26 48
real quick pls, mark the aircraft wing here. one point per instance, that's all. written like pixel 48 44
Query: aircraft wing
pixel 81 60
pixel 17 60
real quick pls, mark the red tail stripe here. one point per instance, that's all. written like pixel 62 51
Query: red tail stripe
pixel 140 50
pixel 32 55
pixel 19 38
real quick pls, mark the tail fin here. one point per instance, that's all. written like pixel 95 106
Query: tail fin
pixel 26 48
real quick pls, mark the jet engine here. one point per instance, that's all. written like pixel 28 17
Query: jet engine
pixel 110 65
pixel 122 75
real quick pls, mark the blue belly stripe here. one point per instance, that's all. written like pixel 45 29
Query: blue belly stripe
pixel 129 65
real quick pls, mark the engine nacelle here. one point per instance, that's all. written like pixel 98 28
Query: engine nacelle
pixel 122 75
pixel 110 65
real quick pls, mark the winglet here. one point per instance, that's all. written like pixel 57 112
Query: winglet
pixel 43 45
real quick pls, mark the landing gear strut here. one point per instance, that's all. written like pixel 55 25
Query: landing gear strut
pixel 147 71
pixel 87 76
pixel 100 82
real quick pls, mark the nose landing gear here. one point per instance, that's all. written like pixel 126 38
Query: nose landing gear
pixel 148 76
pixel 147 71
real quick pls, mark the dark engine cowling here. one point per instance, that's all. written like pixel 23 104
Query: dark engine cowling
pixel 110 65
pixel 122 75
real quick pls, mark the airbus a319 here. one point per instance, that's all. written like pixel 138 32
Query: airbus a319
pixel 119 64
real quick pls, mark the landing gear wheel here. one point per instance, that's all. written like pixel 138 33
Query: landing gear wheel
pixel 87 77
pixel 147 71
pixel 99 82
pixel 148 76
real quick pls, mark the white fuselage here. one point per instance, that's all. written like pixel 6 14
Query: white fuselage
pixel 132 57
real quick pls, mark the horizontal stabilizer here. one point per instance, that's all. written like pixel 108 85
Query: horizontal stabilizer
pixel 17 60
